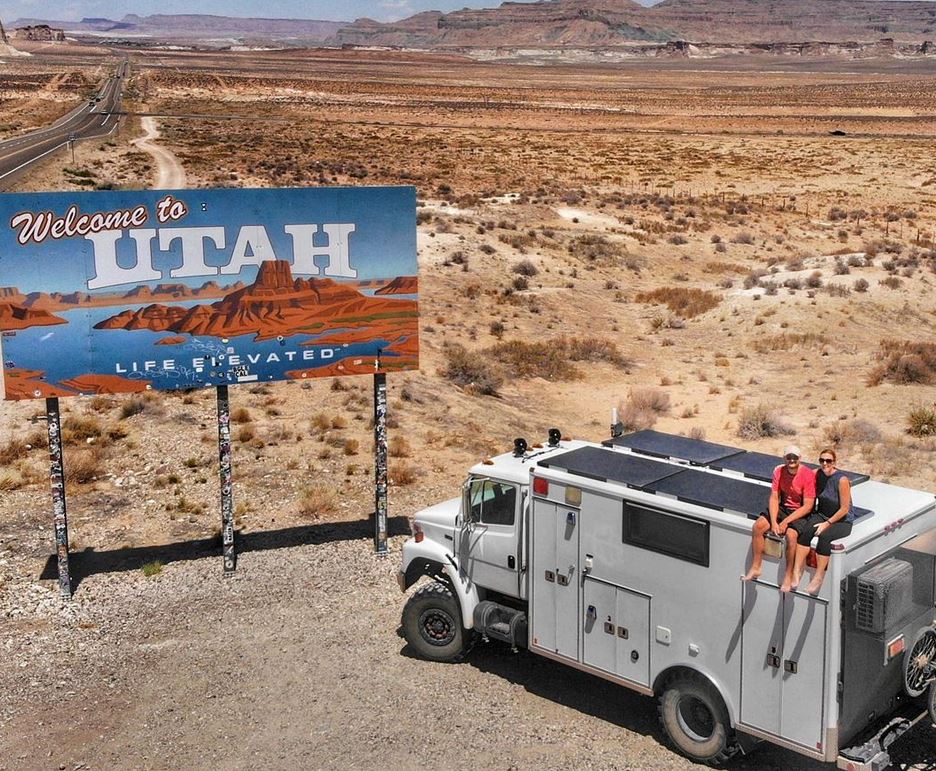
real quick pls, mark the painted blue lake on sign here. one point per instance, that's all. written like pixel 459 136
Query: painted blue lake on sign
pixel 66 351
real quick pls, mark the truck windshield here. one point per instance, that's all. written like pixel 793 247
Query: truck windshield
pixel 492 502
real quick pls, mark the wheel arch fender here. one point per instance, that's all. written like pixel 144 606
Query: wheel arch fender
pixel 677 670
pixel 431 559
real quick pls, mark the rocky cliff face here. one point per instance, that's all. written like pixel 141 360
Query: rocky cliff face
pixel 274 304
pixel 606 23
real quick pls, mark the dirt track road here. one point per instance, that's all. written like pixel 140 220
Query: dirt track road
pixel 169 172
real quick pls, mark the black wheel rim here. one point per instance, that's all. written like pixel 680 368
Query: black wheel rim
pixel 436 626
pixel 695 718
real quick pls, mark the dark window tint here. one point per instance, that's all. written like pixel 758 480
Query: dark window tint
pixel 679 536
pixel 492 503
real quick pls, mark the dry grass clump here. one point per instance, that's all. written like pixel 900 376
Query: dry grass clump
pixel 851 432
pixel 317 499
pixel 904 362
pixel 241 415
pixel 11 479
pixel 470 370
pixel 84 465
pixel 546 359
pixel 403 474
pixel 398 447
pixel 787 340
pixel 13 450
pixel 642 408
pixel 759 422
pixel 686 302
pixel 593 248
pixel 131 407
pixel 921 420
pixel 525 268
pixel 594 349
pixel 80 428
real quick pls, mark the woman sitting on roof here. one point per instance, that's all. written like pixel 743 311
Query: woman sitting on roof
pixel 831 521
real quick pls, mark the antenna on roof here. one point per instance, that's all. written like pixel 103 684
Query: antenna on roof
pixel 617 427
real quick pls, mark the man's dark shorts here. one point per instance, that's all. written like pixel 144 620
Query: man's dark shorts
pixel 782 514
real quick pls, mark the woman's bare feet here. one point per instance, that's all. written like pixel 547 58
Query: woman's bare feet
pixel 814 586
pixel 753 573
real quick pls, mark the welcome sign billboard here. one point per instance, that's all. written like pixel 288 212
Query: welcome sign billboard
pixel 120 291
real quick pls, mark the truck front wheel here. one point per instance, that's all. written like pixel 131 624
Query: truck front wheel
pixel 695 719
pixel 432 623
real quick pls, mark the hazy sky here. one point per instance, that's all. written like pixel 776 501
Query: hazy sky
pixel 382 10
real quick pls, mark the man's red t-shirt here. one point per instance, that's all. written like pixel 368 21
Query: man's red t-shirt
pixel 793 487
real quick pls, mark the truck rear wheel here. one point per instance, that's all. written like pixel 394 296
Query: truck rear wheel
pixel 695 719
pixel 432 623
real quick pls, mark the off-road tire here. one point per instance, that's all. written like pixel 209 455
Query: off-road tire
pixel 695 719
pixel 432 624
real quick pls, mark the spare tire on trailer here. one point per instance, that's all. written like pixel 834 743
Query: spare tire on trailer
pixel 432 623
pixel 696 720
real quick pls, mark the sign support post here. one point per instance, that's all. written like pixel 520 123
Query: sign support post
pixel 224 471
pixel 57 477
pixel 380 460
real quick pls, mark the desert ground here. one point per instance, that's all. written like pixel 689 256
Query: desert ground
pixel 741 251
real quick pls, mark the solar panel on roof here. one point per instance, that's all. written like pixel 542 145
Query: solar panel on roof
pixel 608 466
pixel 760 465
pixel 658 444
pixel 715 492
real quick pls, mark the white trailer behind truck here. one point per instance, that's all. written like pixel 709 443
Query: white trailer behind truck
pixel 624 559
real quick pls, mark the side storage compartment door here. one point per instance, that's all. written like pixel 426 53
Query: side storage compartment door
pixel 543 574
pixel 803 670
pixel 616 631
pixel 783 664
pixel 556 584
pixel 761 656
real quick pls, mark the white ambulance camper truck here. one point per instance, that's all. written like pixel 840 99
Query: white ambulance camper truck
pixel 624 559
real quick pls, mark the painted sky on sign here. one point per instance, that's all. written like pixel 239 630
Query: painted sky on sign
pixel 383 244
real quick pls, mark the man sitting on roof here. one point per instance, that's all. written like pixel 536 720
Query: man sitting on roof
pixel 792 496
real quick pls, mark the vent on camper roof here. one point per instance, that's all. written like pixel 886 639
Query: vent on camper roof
pixel 884 595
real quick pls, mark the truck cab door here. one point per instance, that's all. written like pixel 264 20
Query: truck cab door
pixel 488 543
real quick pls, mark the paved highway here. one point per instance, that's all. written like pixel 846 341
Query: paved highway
pixel 95 118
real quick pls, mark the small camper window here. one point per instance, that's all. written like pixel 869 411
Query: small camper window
pixel 678 536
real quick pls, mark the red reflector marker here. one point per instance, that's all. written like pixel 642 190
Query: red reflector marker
pixel 896 647
pixel 838 547
pixel 540 486
pixel 418 533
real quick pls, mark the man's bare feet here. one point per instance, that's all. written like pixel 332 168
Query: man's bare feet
pixel 814 587
pixel 753 573
pixel 786 585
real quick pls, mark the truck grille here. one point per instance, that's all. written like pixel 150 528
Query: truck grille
pixel 885 595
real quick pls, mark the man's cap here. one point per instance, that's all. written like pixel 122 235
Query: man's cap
pixel 792 449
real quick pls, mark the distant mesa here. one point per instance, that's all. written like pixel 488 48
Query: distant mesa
pixel 274 304
pixel 14 316
pixel 401 285
pixel 105 384
pixel 41 305
pixel 28 384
